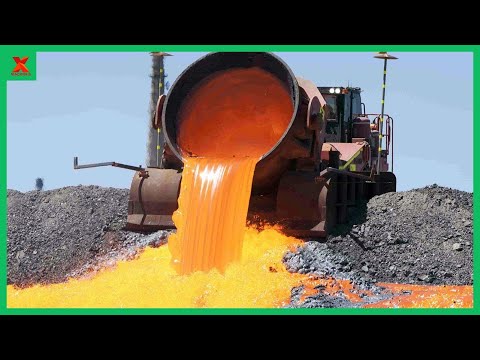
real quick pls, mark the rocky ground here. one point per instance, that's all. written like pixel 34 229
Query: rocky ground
pixel 421 236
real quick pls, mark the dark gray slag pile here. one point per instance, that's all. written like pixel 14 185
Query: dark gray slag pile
pixel 421 236
pixel 55 234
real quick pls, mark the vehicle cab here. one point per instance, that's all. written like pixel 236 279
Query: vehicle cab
pixel 343 105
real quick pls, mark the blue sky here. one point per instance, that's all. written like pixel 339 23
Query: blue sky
pixel 95 106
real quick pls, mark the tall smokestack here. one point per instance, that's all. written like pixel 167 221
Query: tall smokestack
pixel 157 88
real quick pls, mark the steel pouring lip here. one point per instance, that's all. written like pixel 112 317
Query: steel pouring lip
pixel 214 58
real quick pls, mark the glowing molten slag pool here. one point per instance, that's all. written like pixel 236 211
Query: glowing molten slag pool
pixel 258 280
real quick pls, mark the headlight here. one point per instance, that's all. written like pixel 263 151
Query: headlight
pixel 332 90
pixel 337 90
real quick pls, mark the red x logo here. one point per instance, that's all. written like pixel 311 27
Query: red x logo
pixel 20 64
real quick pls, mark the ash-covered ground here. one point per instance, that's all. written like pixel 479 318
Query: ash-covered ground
pixel 421 236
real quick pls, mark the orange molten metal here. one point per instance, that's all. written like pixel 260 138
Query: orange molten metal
pixel 231 120
pixel 424 296
pixel 210 219
pixel 240 112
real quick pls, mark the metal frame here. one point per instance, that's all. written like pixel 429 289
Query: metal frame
pixel 111 163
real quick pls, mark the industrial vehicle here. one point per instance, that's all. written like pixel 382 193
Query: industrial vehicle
pixel 330 158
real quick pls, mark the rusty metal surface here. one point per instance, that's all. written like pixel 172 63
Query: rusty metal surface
pixel 314 120
pixel 138 222
pixel 361 128
pixel 327 203
pixel 311 90
pixel 328 172
pixel 169 160
pixel 303 205
pixel 297 197
pixel 347 150
pixel 157 119
pixel 153 200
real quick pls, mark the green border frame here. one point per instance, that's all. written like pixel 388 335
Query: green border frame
pixel 6 68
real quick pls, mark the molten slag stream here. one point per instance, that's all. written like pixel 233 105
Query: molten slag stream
pixel 226 125
pixel 211 215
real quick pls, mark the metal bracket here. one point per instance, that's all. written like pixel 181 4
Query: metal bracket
pixel 143 171
pixel 325 174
